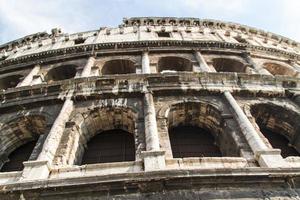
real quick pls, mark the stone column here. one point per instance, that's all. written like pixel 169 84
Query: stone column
pixel 86 72
pixel 29 78
pixel 265 156
pixel 153 157
pixel 257 68
pixel 203 67
pixel 40 168
pixel 145 63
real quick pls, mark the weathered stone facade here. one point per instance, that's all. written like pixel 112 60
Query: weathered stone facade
pixel 147 77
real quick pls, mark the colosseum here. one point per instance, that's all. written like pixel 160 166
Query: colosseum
pixel 156 108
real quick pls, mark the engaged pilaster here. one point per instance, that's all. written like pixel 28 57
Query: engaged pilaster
pixel 154 158
pixel 86 72
pixel 146 63
pixel 40 168
pixel 203 67
pixel 258 69
pixel 30 77
pixel 265 156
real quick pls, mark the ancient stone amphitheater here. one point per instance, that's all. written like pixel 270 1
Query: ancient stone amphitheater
pixel 157 108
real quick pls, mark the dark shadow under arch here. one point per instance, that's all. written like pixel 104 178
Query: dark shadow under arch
pixel 118 66
pixel 10 81
pixel 110 146
pixel 174 63
pixel 278 141
pixel 61 73
pixel 18 156
pixel 228 65
pixel 192 141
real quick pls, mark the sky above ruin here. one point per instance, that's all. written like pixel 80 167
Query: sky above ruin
pixel 23 17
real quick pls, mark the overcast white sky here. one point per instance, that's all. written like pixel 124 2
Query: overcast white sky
pixel 22 17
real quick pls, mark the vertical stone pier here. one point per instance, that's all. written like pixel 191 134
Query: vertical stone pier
pixel 154 158
pixel 265 156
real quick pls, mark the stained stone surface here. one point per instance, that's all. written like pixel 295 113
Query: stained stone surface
pixel 146 77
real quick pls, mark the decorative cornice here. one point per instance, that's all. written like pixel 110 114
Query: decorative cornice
pixel 83 50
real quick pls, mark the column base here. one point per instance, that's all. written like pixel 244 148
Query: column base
pixel 153 160
pixel 34 170
pixel 271 158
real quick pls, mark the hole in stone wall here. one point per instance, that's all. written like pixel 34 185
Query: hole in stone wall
pixel 119 66
pixel 61 73
pixel 79 41
pixel 17 157
pixel 163 34
pixel 172 63
pixel 10 81
pixel 192 141
pixel 228 65
pixel 110 146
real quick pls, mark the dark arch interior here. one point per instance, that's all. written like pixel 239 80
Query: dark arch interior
pixel 278 141
pixel 110 146
pixel 279 125
pixel 17 157
pixel 61 73
pixel 192 141
pixel 10 81
pixel 228 65
pixel 119 66
pixel 174 64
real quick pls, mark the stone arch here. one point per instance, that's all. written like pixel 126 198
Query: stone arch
pixel 102 120
pixel 174 63
pixel 279 69
pixel 279 127
pixel 118 66
pixel 17 133
pixel 205 116
pixel 10 81
pixel 62 72
pixel 228 65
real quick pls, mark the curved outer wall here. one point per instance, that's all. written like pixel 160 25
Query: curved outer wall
pixel 146 77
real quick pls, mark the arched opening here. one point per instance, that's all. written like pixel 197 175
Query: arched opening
pixel 120 66
pixel 192 141
pixel 277 69
pixel 105 134
pixel 18 156
pixel 279 126
pixel 172 63
pixel 194 130
pixel 10 81
pixel 278 141
pixel 110 146
pixel 18 140
pixel 61 73
pixel 228 65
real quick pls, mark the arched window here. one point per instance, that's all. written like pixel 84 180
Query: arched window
pixel 277 69
pixel 18 140
pixel 172 63
pixel 118 66
pixel 193 131
pixel 110 146
pixel 17 157
pixel 278 125
pixel 278 141
pixel 10 81
pixel 228 65
pixel 61 73
pixel 192 141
